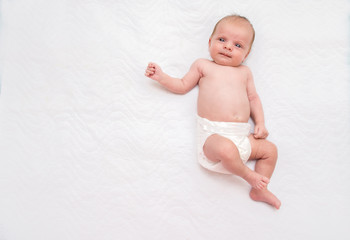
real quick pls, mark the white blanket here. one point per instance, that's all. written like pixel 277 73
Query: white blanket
pixel 92 149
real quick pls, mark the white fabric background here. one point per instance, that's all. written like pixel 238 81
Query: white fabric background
pixel 92 149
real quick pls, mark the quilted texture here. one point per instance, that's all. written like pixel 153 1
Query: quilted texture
pixel 92 149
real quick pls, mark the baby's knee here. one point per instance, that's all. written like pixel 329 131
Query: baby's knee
pixel 227 150
pixel 218 148
pixel 272 150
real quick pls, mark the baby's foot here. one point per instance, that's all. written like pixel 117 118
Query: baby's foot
pixel 265 196
pixel 256 180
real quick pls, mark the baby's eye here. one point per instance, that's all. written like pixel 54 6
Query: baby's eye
pixel 238 45
pixel 221 40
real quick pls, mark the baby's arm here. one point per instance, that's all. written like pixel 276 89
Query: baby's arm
pixel 175 85
pixel 256 109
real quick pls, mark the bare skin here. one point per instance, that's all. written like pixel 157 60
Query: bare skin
pixel 266 155
pixel 227 93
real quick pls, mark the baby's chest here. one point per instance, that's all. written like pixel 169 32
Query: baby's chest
pixel 225 79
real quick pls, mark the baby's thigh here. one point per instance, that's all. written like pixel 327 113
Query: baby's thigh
pixel 217 148
pixel 261 148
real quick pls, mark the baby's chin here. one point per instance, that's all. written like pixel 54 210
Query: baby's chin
pixel 224 63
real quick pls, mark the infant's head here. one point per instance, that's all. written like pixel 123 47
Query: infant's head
pixel 231 40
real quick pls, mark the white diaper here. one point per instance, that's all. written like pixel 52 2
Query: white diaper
pixel 237 132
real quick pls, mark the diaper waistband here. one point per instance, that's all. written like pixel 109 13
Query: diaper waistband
pixel 236 128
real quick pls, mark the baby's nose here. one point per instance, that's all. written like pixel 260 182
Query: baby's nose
pixel 228 46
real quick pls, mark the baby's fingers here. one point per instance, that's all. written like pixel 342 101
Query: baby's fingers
pixel 261 134
pixel 257 133
pixel 153 71
pixel 150 70
pixel 152 66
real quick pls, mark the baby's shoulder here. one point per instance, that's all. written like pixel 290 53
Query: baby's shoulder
pixel 201 61
pixel 245 69
pixel 202 64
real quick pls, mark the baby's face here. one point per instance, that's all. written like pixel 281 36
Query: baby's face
pixel 230 43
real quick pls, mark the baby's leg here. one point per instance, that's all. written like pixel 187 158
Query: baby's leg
pixel 218 148
pixel 265 153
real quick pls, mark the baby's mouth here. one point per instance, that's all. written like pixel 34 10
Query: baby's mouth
pixel 226 55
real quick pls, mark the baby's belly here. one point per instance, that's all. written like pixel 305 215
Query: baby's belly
pixel 232 113
pixel 223 106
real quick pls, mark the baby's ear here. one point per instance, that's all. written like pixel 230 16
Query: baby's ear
pixel 209 42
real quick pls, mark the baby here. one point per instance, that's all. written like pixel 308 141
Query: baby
pixel 227 98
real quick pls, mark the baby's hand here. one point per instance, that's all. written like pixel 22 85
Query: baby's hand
pixel 260 132
pixel 153 71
